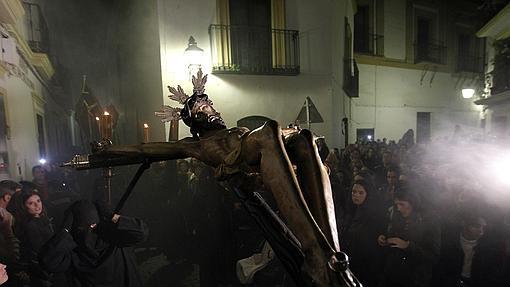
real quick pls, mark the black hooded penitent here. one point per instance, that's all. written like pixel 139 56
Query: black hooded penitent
pixel 95 252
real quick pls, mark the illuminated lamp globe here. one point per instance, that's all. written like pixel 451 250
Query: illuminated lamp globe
pixel 193 54
pixel 468 93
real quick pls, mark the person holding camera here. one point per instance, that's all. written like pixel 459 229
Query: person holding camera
pixel 411 245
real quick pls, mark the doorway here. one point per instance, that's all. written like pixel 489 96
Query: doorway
pixel 422 127
pixel 364 135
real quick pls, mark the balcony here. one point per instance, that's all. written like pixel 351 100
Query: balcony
pixel 351 78
pixel 471 64
pixel 254 50
pixel 431 52
pixel 37 30
pixel 369 44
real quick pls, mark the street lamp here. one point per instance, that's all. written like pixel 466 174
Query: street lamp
pixel 193 55
pixel 468 93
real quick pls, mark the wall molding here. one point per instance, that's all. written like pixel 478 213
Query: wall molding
pixel 397 63
pixel 11 11
pixel 40 61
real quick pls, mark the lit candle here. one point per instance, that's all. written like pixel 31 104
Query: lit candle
pixel 173 134
pixel 107 126
pixel 145 133
pixel 98 121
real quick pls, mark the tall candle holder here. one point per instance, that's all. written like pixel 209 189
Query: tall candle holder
pixel 106 126
pixel 106 131
pixel 145 133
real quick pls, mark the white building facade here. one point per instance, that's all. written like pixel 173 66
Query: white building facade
pixel 25 74
pixel 495 98
pixel 414 59
pixel 270 71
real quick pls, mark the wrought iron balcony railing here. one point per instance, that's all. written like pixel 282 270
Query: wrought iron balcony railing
pixel 351 78
pixel 371 44
pixel 254 50
pixel 38 36
pixel 473 64
pixel 433 52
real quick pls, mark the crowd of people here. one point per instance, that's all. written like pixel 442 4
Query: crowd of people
pixel 400 219
pixel 50 236
pixel 403 222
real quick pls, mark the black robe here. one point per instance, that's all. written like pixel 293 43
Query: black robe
pixel 114 265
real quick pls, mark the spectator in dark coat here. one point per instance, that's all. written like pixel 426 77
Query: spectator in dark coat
pixel 381 171
pixel 93 247
pixel 469 256
pixel 411 244
pixel 33 228
pixel 387 191
pixel 360 224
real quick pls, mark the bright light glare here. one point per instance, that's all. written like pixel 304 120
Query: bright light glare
pixel 42 161
pixel 194 57
pixel 468 93
pixel 369 137
pixel 499 169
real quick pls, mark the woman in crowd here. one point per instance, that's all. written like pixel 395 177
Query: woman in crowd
pixel 360 225
pixel 411 243
pixel 33 228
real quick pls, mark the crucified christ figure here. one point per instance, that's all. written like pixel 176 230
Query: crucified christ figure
pixel 288 165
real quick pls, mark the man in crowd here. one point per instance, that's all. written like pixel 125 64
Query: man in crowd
pixel 469 256
pixel 40 180
pixel 387 191
pixel 382 170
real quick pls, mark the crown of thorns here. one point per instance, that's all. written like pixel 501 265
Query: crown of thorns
pixel 169 113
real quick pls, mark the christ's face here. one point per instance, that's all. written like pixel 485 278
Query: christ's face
pixel 204 114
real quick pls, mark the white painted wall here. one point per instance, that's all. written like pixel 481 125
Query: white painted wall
pixel 22 146
pixel 391 97
pixel 320 24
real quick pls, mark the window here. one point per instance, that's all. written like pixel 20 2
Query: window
pixel 251 33
pixel 363 135
pixel 351 72
pixel 469 52
pixel 422 127
pixel 361 30
pixel 428 47
pixel 368 38
pixel 40 136
pixel 38 35
pixel 251 38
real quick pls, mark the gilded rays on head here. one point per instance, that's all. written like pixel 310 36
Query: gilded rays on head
pixel 169 113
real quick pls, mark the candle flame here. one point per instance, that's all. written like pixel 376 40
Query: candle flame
pixel 145 126
pixel 97 118
pixel 106 113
